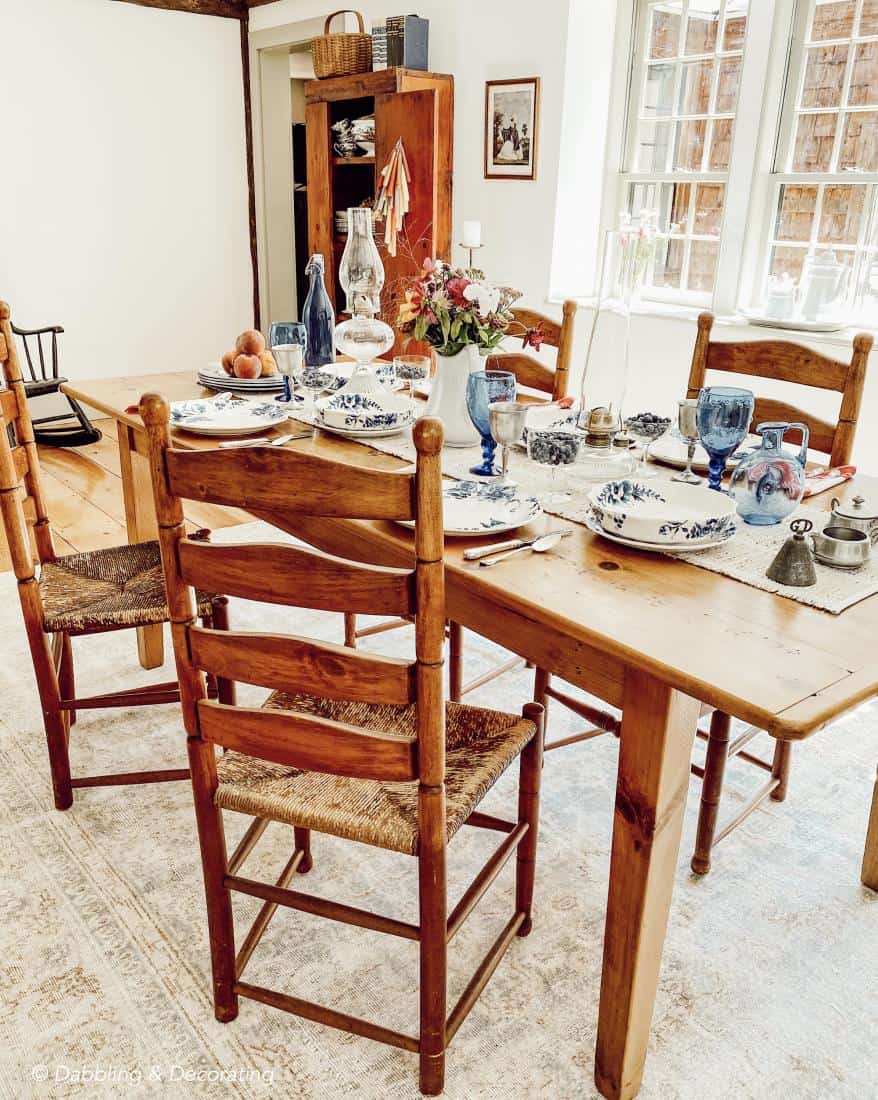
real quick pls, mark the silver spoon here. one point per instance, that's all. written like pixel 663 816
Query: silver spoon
pixel 543 543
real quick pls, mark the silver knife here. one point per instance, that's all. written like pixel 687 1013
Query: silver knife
pixel 477 552
pixel 264 441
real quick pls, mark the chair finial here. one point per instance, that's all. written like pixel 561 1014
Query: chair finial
pixel 429 435
pixel 5 311
pixel 154 409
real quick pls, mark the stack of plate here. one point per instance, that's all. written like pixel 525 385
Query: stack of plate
pixel 661 515
pixel 364 415
pixel 215 378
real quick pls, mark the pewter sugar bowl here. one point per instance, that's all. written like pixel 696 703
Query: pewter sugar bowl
pixel 857 514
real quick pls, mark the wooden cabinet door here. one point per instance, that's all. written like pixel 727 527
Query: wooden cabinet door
pixel 413 117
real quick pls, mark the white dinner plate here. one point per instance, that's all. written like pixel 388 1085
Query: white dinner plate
pixel 227 414
pixel 795 324
pixel 364 433
pixel 483 508
pixel 670 450
pixel 215 377
pixel 689 547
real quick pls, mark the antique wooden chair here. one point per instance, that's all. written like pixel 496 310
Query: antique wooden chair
pixel 533 374
pixel 73 429
pixel 789 363
pixel 78 594
pixel 359 746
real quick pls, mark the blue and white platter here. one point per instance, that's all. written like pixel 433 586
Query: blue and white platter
pixel 482 508
pixel 690 547
pixel 227 414
pixel 356 413
pixel 665 513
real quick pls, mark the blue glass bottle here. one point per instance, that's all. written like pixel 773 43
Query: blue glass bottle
pixel 318 317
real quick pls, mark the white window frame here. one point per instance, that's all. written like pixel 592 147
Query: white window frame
pixel 780 172
pixel 753 155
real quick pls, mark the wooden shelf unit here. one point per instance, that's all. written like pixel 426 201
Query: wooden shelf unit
pixel 415 106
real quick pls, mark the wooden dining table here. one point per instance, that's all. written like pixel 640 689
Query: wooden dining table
pixel 655 636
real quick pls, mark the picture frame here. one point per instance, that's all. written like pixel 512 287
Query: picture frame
pixel 511 128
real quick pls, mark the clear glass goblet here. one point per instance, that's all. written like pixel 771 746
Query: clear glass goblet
pixel 552 448
pixel 410 369
pixel 687 423
pixel 646 428
pixel 313 380
pixel 483 387
pixel 723 415
pixel 507 420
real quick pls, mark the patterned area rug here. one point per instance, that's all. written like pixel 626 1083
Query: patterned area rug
pixel 769 974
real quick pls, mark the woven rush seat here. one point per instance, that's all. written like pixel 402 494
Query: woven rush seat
pixel 479 747
pixel 117 587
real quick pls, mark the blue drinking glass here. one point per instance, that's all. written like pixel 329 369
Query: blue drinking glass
pixel 482 388
pixel 723 416
pixel 286 332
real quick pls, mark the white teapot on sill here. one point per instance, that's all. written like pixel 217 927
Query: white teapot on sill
pixel 823 284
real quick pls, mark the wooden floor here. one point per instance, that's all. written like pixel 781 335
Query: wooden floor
pixel 83 490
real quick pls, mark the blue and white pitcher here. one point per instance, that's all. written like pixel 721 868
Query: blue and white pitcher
pixel 768 484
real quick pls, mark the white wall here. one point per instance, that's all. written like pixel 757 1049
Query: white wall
pixel 123 215
pixel 478 42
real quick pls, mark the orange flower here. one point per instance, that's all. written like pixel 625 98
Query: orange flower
pixel 410 308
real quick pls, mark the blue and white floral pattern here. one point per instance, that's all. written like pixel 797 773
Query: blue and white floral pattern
pixel 711 528
pixel 226 414
pixel 627 492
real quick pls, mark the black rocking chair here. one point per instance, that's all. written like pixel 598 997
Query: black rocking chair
pixel 73 429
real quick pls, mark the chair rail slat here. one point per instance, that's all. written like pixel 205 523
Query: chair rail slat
pixel 779 360
pixel 822 433
pixel 259 479
pixel 528 371
pixel 310 743
pixel 289 663
pixel 297 577
pixel 8 401
pixel 530 318
pixel 4 353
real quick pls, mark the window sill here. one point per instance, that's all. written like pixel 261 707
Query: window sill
pixel 662 310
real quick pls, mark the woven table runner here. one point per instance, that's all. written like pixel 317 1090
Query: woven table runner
pixel 744 558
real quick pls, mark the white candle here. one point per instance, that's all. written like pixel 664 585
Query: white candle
pixel 472 235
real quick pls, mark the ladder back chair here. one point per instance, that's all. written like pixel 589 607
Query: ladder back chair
pixel 786 362
pixel 533 374
pixel 791 363
pixel 77 594
pixel 356 745
pixel 73 429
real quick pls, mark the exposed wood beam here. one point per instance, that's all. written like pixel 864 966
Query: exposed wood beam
pixel 230 9
pixel 251 175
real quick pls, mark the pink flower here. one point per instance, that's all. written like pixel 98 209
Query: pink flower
pixel 455 288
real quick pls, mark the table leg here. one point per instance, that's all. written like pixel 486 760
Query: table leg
pixel 869 873
pixel 658 731
pixel 141 523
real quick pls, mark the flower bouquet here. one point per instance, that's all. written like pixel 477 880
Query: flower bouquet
pixel 463 318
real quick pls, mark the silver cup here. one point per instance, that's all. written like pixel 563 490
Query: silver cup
pixel 841 547
pixel 687 422
pixel 507 424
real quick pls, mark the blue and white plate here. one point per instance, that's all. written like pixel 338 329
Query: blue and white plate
pixel 664 513
pixel 365 412
pixel 690 547
pixel 482 508
pixel 227 414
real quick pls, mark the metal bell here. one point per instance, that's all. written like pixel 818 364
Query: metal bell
pixel 793 564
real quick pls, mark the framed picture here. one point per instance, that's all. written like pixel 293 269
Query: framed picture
pixel 511 120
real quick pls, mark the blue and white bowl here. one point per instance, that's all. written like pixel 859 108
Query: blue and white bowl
pixel 665 512
pixel 365 411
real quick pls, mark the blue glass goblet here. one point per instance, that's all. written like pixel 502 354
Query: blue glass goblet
pixel 723 416
pixel 286 332
pixel 482 388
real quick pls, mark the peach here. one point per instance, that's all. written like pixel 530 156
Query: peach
pixel 228 362
pixel 248 366
pixel 269 366
pixel 250 342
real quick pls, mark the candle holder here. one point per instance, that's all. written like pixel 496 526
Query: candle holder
pixel 470 249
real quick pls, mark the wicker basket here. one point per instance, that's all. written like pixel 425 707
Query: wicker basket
pixel 342 54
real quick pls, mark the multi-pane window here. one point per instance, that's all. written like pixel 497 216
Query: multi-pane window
pixel 827 161
pixel 688 60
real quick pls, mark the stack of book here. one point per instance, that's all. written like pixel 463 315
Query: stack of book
pixel 400 40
